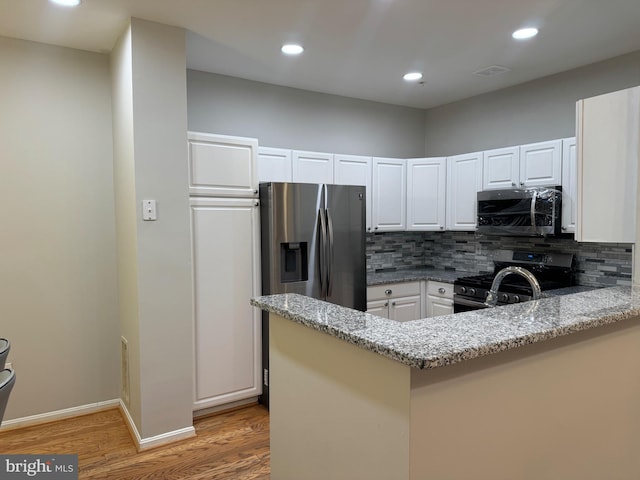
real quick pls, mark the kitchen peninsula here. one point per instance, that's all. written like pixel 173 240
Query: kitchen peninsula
pixel 548 389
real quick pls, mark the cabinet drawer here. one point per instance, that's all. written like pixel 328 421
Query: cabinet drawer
pixel 405 289
pixel 440 289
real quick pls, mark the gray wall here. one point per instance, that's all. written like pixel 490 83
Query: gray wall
pixel 539 110
pixel 292 118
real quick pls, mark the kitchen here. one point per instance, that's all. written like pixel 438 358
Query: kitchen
pixel 385 131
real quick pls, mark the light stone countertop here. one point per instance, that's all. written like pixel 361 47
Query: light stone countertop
pixel 414 275
pixel 439 341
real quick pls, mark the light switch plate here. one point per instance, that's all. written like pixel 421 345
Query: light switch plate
pixel 149 210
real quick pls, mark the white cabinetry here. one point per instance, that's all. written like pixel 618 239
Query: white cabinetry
pixel 501 168
pixel 225 249
pixel 426 193
pixel 532 165
pixel 221 165
pixel 439 299
pixel 464 181
pixel 569 185
pixel 396 301
pixel 541 164
pixel 312 167
pixel 389 194
pixel 607 146
pixel 356 170
pixel 274 165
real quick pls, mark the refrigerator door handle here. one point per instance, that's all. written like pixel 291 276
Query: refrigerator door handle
pixel 323 253
pixel 329 258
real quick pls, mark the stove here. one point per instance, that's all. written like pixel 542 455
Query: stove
pixel 552 270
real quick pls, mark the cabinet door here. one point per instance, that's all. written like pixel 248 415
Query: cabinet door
pixel 379 308
pixel 426 193
pixel 437 306
pixel 389 194
pixel 274 165
pixel 501 168
pixel 312 167
pixel 569 185
pixel 225 249
pixel 464 181
pixel 541 164
pixel 607 147
pixel 355 170
pixel 404 309
pixel 220 165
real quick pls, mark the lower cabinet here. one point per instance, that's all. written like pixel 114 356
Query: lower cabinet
pixel 226 273
pixel 410 300
pixel 395 301
pixel 439 299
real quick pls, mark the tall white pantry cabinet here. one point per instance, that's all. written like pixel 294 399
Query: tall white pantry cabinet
pixel 225 235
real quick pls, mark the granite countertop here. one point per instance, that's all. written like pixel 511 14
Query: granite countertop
pixel 439 341
pixel 447 276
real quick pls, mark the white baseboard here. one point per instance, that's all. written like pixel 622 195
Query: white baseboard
pixel 203 412
pixel 157 440
pixel 59 414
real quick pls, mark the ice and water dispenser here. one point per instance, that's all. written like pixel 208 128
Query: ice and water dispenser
pixel 293 262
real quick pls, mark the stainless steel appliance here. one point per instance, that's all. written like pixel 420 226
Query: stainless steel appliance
pixel 313 243
pixel 520 212
pixel 551 270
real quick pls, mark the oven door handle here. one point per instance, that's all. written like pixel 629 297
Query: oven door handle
pixel 458 300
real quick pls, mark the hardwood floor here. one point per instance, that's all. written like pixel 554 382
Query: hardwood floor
pixel 232 445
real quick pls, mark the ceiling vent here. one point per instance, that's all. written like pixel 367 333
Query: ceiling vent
pixel 491 71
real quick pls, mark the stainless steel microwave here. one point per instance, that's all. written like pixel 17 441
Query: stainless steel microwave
pixel 529 212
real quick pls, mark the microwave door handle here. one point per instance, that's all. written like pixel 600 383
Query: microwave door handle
pixel 534 195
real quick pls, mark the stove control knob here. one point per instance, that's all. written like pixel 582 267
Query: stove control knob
pixel 463 289
pixel 472 291
pixel 516 298
pixel 505 297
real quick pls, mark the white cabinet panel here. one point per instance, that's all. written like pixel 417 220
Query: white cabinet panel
pixel 396 301
pixel 607 147
pixel 274 165
pixel 426 193
pixel 464 181
pixel 389 194
pixel 541 164
pixel 569 185
pixel 221 165
pixel 312 167
pixel 225 249
pixel 501 168
pixel 356 170
pixel 405 309
pixel 439 299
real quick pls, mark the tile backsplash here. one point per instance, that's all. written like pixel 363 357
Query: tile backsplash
pixel 597 264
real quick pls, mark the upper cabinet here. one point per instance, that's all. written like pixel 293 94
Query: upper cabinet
pixel 541 164
pixel 389 194
pixel 532 165
pixel 464 181
pixel 569 185
pixel 607 147
pixel 356 170
pixel 312 167
pixel 274 165
pixel 222 166
pixel 501 168
pixel 426 193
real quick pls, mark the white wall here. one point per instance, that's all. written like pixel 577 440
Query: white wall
pixel 539 110
pixel 58 299
pixel 150 111
pixel 292 118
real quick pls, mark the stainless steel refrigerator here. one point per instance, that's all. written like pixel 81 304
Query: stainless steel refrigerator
pixel 313 243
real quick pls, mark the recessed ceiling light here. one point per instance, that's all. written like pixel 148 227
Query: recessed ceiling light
pixel 66 3
pixel 292 49
pixel 524 33
pixel 412 76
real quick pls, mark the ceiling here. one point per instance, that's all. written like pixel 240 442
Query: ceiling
pixel 356 48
